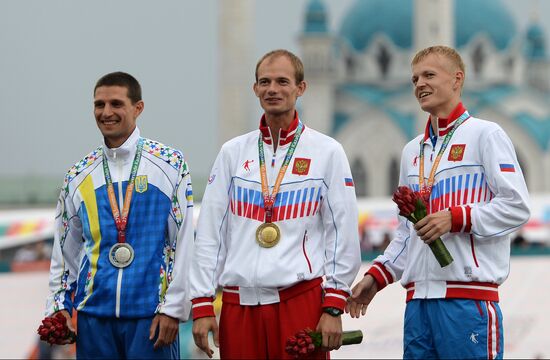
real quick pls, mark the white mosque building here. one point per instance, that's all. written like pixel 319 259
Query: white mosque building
pixel 361 94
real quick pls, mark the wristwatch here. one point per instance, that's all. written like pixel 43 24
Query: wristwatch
pixel 332 311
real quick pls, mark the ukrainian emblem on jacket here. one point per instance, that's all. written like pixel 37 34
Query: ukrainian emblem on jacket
pixel 301 166
pixel 141 183
pixel 457 152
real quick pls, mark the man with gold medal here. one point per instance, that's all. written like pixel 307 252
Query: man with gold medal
pixel 279 214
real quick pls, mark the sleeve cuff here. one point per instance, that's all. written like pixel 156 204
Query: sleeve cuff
pixel 461 218
pixel 202 307
pixel 381 275
pixel 335 298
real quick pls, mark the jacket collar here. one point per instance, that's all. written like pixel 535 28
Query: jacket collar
pixel 444 125
pixel 285 136
pixel 125 151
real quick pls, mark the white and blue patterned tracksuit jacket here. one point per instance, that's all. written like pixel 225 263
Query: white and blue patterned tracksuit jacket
pixel 160 230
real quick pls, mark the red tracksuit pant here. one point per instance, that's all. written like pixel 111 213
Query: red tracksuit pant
pixel 260 332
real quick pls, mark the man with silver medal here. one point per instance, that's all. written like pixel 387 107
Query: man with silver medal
pixel 124 236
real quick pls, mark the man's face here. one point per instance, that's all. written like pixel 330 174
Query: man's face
pixel 276 86
pixel 437 85
pixel 115 114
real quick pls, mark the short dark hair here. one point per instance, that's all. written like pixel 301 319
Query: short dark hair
pixel 295 61
pixel 123 79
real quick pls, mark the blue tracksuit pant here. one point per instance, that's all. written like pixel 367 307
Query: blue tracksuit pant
pixel 111 338
pixel 453 329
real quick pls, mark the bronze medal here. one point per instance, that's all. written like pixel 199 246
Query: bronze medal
pixel 268 235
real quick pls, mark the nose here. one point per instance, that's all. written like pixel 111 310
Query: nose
pixel 107 111
pixel 272 89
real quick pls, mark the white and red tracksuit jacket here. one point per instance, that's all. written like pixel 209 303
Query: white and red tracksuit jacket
pixel 315 209
pixel 480 181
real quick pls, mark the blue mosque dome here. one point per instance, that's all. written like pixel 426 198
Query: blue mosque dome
pixel 316 17
pixel 367 18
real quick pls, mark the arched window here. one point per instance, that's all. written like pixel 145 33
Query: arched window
pixel 384 59
pixel 478 57
pixel 359 174
pixel 393 175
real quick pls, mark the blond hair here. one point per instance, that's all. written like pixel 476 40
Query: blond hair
pixel 445 51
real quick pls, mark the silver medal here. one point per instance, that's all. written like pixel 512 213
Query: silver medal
pixel 121 255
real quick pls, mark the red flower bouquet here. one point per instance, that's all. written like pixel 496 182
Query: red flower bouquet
pixel 413 206
pixel 307 341
pixel 54 330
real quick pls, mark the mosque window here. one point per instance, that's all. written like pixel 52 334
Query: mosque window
pixel 384 59
pixel 350 64
pixel 359 174
pixel 478 57
pixel 393 175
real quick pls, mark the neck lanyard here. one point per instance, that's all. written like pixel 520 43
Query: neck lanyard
pixel 121 220
pixel 428 188
pixel 269 200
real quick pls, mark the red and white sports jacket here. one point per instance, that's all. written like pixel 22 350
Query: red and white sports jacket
pixel 480 181
pixel 315 209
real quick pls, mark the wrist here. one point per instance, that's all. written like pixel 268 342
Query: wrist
pixel 332 311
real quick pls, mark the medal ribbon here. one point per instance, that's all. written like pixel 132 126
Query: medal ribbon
pixel 428 188
pixel 121 220
pixel 269 200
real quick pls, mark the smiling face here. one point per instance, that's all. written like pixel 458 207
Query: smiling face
pixel 437 84
pixel 115 114
pixel 277 87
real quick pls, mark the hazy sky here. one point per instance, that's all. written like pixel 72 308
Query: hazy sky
pixel 52 52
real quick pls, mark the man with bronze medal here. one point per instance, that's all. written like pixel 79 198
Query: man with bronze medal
pixel 279 213
pixel 124 217
pixel 467 171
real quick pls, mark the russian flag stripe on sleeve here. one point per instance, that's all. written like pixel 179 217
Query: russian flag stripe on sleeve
pixel 507 168
pixel 348 181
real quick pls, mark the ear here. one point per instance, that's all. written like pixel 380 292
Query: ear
pixel 302 86
pixel 255 89
pixel 140 105
pixel 459 80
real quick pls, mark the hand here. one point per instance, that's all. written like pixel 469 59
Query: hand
pixel 201 328
pixel 331 329
pixel 361 296
pixel 69 325
pixel 430 228
pixel 167 330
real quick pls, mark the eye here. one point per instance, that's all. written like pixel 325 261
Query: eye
pixel 414 80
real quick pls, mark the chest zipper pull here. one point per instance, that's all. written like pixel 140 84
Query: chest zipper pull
pixel 273 160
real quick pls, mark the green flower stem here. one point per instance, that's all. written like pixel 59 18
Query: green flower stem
pixel 352 337
pixel 348 337
pixel 442 255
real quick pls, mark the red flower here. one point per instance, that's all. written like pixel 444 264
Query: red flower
pixel 307 341
pixel 413 206
pixel 54 330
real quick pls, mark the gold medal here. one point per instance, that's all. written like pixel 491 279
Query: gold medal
pixel 268 235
